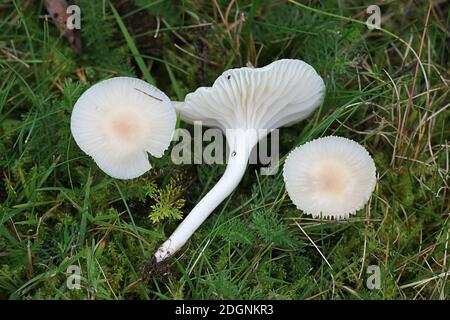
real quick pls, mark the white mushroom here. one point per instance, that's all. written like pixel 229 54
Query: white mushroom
pixel 330 177
pixel 117 121
pixel 242 102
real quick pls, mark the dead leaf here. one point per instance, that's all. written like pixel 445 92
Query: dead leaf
pixel 57 10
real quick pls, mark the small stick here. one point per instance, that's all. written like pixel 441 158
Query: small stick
pixel 148 94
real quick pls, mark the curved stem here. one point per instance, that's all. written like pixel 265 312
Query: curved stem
pixel 228 182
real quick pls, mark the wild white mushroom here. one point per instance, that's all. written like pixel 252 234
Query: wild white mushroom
pixel 117 121
pixel 330 177
pixel 242 102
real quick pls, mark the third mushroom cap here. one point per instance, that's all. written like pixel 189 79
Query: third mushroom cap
pixel 330 177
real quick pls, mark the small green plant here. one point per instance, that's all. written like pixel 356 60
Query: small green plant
pixel 168 201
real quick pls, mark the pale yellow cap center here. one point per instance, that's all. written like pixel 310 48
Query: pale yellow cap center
pixel 125 127
pixel 330 178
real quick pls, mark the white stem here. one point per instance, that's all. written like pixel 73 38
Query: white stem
pixel 228 182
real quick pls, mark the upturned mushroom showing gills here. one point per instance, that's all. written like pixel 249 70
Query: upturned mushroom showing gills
pixel 243 102
pixel 330 177
pixel 119 121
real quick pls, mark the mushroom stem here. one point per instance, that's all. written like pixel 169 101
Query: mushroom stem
pixel 237 163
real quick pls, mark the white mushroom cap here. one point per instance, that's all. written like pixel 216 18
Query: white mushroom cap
pixel 117 121
pixel 330 177
pixel 281 93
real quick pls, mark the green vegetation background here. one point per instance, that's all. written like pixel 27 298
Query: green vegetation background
pixel 58 209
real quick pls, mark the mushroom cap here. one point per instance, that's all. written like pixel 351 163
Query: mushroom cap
pixel 330 177
pixel 117 121
pixel 281 93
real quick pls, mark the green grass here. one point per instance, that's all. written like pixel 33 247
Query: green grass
pixel 58 209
